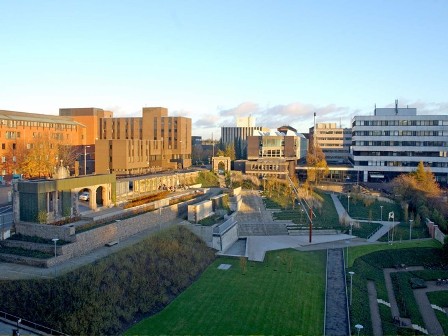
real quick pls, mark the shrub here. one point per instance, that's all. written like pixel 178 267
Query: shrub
pixel 107 296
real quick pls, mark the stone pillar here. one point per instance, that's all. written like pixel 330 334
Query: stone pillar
pixel 15 203
pixel 92 199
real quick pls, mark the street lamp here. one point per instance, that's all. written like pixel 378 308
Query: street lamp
pixel 359 327
pixel 55 241
pixel 410 229
pixel 85 159
pixel 381 207
pixel 351 285
pixel 348 204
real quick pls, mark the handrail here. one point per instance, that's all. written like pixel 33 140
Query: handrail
pixel 24 323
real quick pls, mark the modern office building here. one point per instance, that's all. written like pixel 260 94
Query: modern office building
pixel 237 136
pixel 20 131
pixel 274 153
pixel 394 140
pixel 334 141
pixel 144 144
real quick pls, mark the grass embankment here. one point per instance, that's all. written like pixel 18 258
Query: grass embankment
pixel 368 263
pixel 105 297
pixel 266 300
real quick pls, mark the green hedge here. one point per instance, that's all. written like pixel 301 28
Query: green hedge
pixel 111 294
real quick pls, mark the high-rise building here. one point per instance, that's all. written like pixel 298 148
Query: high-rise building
pixel 334 141
pixel 144 144
pixel 237 136
pixel 394 140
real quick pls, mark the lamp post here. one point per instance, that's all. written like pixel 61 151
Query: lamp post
pixel 55 241
pixel 359 327
pixel 85 159
pixel 410 229
pixel 351 285
pixel 348 204
pixel 381 207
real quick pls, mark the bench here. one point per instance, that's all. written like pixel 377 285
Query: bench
pixel 112 243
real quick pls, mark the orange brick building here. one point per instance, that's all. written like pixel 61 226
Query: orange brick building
pixel 144 144
pixel 21 130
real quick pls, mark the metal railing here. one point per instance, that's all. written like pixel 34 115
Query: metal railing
pixel 26 324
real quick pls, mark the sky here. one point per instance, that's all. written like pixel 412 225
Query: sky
pixel 279 61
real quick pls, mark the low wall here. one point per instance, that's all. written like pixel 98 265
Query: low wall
pixel 434 231
pixel 87 241
pixel 47 231
pixel 203 232
pixel 235 203
pixel 225 234
pixel 199 211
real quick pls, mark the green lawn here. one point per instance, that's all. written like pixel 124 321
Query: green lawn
pixel 267 299
pixel 359 210
pixel 359 251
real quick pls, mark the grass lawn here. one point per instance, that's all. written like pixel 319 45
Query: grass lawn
pixel 359 210
pixel 359 251
pixel 266 300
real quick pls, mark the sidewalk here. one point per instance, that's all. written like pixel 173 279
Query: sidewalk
pixel 9 271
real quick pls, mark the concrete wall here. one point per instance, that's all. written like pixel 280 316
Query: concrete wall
pixel 66 232
pixel 223 239
pixel 199 211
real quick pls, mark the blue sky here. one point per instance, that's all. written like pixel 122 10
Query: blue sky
pixel 279 61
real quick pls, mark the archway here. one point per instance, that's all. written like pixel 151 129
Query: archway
pixel 220 161
pixel 99 196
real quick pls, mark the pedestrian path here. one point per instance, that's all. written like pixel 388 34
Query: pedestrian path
pixel 336 309
pixel 342 214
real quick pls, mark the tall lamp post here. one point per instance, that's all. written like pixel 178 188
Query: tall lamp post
pixel 351 285
pixel 359 327
pixel 381 207
pixel 85 159
pixel 55 240
pixel 348 204
pixel 410 229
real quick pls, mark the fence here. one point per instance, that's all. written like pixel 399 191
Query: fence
pixel 25 324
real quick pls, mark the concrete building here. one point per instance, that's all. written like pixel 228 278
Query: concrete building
pixel 334 141
pixel 274 153
pixel 394 140
pixel 20 131
pixel 144 144
pixel 237 136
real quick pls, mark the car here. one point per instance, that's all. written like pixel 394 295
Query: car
pixel 84 196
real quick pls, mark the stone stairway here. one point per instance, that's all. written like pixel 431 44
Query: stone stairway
pixel 262 229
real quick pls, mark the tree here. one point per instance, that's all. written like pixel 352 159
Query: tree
pixel 317 164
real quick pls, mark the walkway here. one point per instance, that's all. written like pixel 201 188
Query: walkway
pixel 374 309
pixel 336 310
pixel 342 214
pixel 432 324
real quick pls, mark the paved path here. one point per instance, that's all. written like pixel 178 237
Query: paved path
pixel 374 309
pixel 432 324
pixel 342 214
pixel 336 311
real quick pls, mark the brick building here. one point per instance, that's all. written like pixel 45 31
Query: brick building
pixel 144 144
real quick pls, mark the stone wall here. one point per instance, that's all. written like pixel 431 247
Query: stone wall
pixel 199 211
pixel 46 231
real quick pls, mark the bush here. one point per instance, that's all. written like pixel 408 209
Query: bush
pixel 109 295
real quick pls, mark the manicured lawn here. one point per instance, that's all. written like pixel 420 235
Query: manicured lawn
pixel 368 262
pixel 359 251
pixel 267 299
pixel 359 209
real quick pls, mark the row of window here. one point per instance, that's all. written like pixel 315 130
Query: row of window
pixel 400 123
pixel 15 123
pixel 400 133
pixel 411 154
pixel 400 164
pixel 402 143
